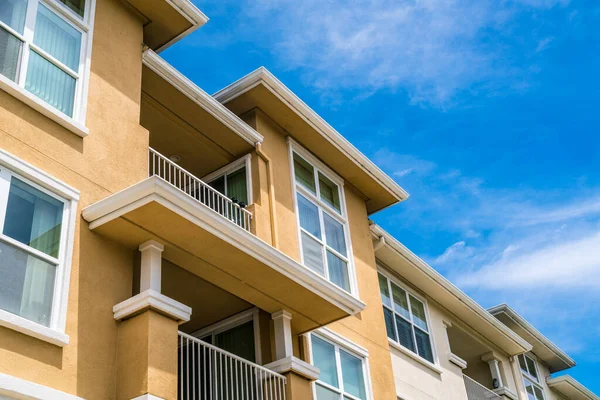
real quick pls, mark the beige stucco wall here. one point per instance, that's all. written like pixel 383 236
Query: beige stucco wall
pixel 112 157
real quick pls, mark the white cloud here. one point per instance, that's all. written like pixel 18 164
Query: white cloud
pixel 543 44
pixel 432 49
pixel 458 250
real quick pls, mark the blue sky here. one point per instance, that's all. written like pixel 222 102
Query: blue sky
pixel 485 111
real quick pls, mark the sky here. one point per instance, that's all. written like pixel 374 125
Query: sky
pixel 486 111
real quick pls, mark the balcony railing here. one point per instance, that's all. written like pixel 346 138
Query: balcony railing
pixel 172 173
pixel 476 391
pixel 209 373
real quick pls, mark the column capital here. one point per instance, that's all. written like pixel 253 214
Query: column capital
pixel 151 244
pixel 491 356
pixel 281 314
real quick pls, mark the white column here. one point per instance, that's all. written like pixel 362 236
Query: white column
pixel 493 362
pixel 282 326
pixel 151 265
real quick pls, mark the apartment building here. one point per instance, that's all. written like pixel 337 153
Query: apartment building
pixel 158 242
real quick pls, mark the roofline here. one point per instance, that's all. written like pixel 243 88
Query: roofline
pixel 266 78
pixel 523 323
pixel 190 12
pixel 200 97
pixel 569 380
pixel 434 275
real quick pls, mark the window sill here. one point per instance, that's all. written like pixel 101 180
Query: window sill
pixel 26 327
pixel 42 107
pixel 415 357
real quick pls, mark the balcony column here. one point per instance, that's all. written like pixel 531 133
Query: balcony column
pixel 147 334
pixel 298 373
pixel 495 363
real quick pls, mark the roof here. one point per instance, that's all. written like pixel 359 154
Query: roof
pixel 543 348
pixel 569 387
pixel 424 277
pixel 261 89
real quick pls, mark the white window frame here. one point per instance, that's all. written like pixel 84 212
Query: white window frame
pixel 391 279
pixel 55 332
pixel 231 168
pixel 527 377
pixel 340 216
pixel 85 25
pixel 340 342
pixel 232 322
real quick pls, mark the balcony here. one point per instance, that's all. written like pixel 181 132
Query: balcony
pixel 206 372
pixel 162 167
pixel 476 391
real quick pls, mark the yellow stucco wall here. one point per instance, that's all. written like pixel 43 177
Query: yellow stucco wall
pixel 112 157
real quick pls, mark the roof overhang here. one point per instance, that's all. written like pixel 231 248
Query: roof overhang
pixel 570 388
pixel 260 89
pixel 167 21
pixel 212 247
pixel 543 348
pixel 405 263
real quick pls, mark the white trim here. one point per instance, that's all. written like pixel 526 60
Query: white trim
pixel 230 168
pixel 21 389
pixel 567 381
pixel 296 365
pixel 391 279
pixel 456 360
pixel 176 79
pixel 340 342
pixel 263 76
pixel 157 190
pixel 42 107
pixel 155 301
pixel 530 329
pixel 69 196
pixel 231 322
pixel 190 12
pixel 506 392
pixel 148 396
pixel 414 356
pixel 393 244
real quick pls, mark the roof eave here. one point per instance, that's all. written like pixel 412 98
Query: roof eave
pixel 266 78
pixel 190 12
pixel 568 380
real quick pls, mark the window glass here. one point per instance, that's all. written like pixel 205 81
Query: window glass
pixel 27 284
pixel 10 51
pixel 304 173
pixel 58 38
pixel 334 232
pixel 531 367
pixel 33 218
pixel 326 394
pixel 405 337
pixel 352 373
pixel 400 302
pixel 218 184
pixel 338 271
pixel 423 345
pixel 312 253
pixel 418 313
pixel 383 289
pixel 50 83
pixel 389 324
pixel 329 192
pixel 12 13
pixel 76 5
pixel 238 340
pixel 237 187
pixel 309 216
pixel 324 359
pixel 522 363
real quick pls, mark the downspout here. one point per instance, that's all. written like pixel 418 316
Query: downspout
pixel 270 184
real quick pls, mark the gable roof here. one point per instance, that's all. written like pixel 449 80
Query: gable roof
pixel 543 347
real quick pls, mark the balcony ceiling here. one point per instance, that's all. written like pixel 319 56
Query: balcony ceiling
pixel 166 21
pixel 206 244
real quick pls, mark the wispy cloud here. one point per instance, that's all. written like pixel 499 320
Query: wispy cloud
pixel 430 49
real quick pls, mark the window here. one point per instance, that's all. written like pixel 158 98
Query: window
pixel 233 181
pixel 43 49
pixel 406 320
pixel 322 222
pixel 531 378
pixel 343 372
pixel 34 228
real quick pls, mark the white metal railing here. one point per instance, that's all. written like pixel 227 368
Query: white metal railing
pixel 476 391
pixel 205 372
pixel 172 173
